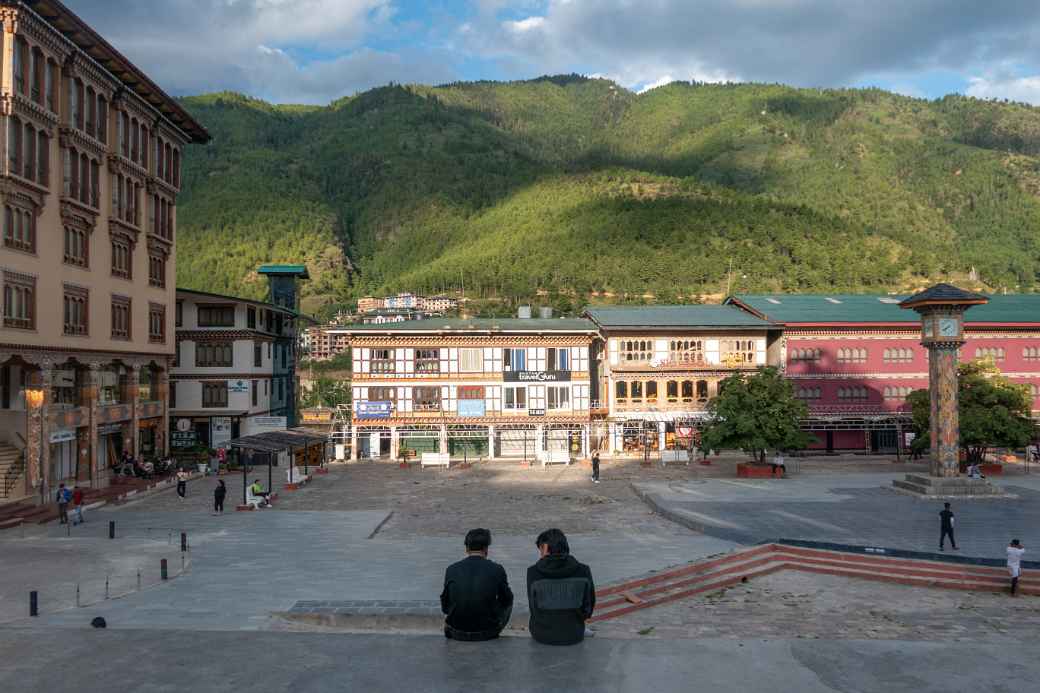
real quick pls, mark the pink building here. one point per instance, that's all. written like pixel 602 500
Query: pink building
pixel 855 358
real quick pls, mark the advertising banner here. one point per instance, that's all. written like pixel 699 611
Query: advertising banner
pixel 536 376
pixel 373 410
pixel 471 407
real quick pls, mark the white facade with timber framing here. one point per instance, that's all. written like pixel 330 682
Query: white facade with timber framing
pixel 662 364
pixel 513 388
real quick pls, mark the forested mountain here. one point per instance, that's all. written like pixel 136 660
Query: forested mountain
pixel 569 185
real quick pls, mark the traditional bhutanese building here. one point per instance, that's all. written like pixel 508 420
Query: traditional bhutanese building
pixel 512 388
pixel 662 364
pixel 854 358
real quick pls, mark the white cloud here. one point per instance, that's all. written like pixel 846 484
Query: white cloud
pixel 523 26
pixel 659 82
pixel 1025 89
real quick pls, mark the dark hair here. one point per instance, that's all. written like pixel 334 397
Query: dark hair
pixel 1014 542
pixel 946 505
pixel 478 539
pixel 555 540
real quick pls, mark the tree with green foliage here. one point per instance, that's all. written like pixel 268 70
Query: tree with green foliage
pixel 755 413
pixel 993 412
pixel 325 392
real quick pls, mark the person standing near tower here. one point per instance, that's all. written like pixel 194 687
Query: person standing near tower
pixel 1014 563
pixel 946 527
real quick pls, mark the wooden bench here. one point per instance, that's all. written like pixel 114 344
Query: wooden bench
pixel 435 459
pixel 554 457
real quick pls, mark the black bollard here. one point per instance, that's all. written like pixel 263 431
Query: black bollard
pixel 162 569
pixel 184 541
pixel 111 529
pixel 33 604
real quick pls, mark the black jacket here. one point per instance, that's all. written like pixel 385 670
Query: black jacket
pixel 560 595
pixel 476 596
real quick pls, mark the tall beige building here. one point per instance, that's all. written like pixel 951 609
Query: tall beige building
pixel 90 169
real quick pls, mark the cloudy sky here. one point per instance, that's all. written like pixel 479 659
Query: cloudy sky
pixel 312 51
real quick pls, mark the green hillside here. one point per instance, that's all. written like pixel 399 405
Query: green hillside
pixel 570 186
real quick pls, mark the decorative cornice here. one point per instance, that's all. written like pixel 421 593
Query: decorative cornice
pixel 77 64
pixel 406 341
pixel 23 193
pixel 222 336
pixel 74 137
pixel 117 163
pixel 88 357
pixel 27 108
pixel 120 228
pixel 29 24
pixel 75 214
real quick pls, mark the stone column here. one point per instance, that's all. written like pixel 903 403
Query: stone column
pixel 98 476
pixel 945 425
pixel 443 441
pixel 37 449
pixel 539 442
pixel 395 443
pixel 585 440
pixel 353 444
pixel 661 435
pixel 134 396
pixel 491 442
pixel 162 445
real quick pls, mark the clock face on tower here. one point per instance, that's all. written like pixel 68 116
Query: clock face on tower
pixel 947 327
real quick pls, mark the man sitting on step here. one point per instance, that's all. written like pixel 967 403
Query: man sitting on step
pixel 476 599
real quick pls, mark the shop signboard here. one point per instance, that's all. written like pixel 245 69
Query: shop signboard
pixel 316 416
pixel 107 429
pixel 269 423
pixel 238 386
pixel 536 412
pixel 537 376
pixel 183 440
pixel 373 409
pixel 471 407
pixel 220 431
pixel 63 435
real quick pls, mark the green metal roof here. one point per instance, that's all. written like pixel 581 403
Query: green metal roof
pixel 299 270
pixel 862 308
pixel 477 325
pixel 686 316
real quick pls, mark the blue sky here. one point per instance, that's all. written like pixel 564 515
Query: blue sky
pixel 313 51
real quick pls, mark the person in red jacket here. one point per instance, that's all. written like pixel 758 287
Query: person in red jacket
pixel 77 505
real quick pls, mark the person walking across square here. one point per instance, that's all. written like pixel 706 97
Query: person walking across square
pixel 219 493
pixel 77 506
pixel 1014 563
pixel 595 467
pixel 63 497
pixel 946 527
pixel 182 483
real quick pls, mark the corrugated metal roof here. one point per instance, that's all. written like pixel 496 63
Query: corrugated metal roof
pixel 861 308
pixel 694 315
pixel 300 270
pixel 476 325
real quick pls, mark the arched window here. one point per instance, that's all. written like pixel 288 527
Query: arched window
pixel 621 391
pixel 51 86
pixel 91 108
pixel 80 105
pixel 36 70
pixel 702 390
pixel 29 138
pixel 84 179
pixel 687 391
pixel 135 139
pixel 167 157
pixel 43 154
pixel 20 65
pixel 636 391
pixel 671 389
pixel 14 145
pixel 144 145
pixel 651 391
pixel 177 168
pixel 102 119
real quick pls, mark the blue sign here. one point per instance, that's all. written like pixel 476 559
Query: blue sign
pixel 471 407
pixel 373 410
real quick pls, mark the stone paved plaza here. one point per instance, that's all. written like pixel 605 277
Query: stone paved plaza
pixel 368 535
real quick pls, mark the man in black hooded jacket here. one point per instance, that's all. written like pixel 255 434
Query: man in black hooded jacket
pixel 560 592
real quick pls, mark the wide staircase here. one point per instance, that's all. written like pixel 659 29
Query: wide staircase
pixel 12 466
pixel 923 570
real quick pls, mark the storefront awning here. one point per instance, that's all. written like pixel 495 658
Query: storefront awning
pixel 276 441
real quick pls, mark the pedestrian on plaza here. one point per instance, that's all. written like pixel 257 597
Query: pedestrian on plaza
pixel 476 600
pixel 257 489
pixel 219 493
pixel 1014 563
pixel 595 467
pixel 560 593
pixel 946 527
pixel 778 463
pixel 63 497
pixel 182 483
pixel 77 506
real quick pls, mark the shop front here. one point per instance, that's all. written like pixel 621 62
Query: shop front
pixel 63 455
pixel 149 438
pixel 468 442
pixel 415 440
pixel 112 439
pixel 517 441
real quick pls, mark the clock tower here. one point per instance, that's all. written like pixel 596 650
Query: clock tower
pixel 942 310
